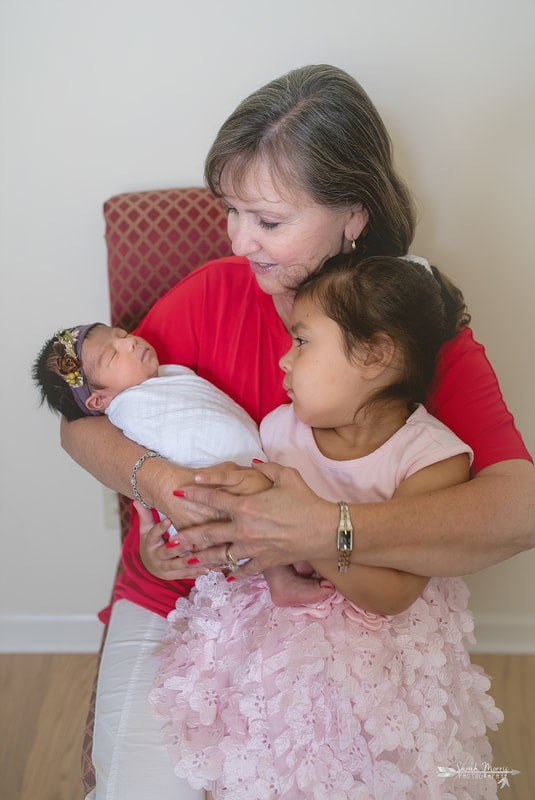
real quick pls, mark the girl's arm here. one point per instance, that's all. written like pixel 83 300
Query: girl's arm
pixel 389 591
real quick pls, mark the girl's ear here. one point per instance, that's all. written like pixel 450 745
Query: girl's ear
pixel 98 401
pixel 379 354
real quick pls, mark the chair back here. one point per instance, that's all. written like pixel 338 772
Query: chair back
pixel 153 239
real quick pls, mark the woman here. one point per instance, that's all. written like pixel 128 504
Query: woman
pixel 305 168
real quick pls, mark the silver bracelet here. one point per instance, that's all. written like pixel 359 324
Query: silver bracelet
pixel 133 480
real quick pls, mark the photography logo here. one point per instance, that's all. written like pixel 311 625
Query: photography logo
pixel 501 774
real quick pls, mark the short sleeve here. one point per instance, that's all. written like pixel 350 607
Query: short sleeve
pixel 466 397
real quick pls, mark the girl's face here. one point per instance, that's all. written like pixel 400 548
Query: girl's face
pixel 285 237
pixel 325 387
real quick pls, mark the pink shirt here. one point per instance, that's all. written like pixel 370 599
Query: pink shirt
pixel 422 441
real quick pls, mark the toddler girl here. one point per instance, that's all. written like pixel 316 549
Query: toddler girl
pixel 370 692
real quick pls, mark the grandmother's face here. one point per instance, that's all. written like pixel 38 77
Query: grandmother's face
pixel 285 235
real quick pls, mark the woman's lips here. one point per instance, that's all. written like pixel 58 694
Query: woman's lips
pixel 261 268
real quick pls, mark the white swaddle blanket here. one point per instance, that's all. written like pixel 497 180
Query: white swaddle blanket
pixel 187 420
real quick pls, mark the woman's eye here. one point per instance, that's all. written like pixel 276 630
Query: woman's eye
pixel 268 226
pixel 230 210
pixel 299 342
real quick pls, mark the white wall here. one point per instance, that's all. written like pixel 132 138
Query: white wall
pixel 114 95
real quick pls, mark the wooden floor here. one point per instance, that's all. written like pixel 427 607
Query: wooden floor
pixel 44 702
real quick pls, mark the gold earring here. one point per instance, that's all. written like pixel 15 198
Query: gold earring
pixel 353 244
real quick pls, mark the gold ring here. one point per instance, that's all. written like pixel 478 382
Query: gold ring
pixel 231 561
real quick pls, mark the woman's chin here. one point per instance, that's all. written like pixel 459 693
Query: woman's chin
pixel 267 278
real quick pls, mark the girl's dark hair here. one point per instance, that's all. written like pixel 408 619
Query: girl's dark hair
pixel 318 132
pixel 392 296
pixel 52 386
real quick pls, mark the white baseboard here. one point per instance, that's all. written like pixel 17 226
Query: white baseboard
pixel 82 634
pixel 21 633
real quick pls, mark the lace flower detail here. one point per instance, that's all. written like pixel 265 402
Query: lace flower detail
pixel 392 727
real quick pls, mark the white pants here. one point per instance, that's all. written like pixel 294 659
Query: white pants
pixel 131 761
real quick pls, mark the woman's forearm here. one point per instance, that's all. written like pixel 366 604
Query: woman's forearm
pixel 102 449
pixel 105 452
pixel 454 531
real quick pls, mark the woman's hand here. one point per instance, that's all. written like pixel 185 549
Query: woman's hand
pixel 160 554
pixel 157 481
pixel 280 525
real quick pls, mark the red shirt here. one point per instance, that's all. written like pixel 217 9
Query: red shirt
pixel 218 322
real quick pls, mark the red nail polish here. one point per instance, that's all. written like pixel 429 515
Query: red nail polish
pixel 230 578
pixel 172 543
pixel 257 461
pixel 193 561
pixel 165 535
pixel 179 493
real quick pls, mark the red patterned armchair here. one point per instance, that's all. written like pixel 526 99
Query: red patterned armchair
pixel 153 238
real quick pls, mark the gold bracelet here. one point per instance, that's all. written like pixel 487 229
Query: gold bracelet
pixel 344 538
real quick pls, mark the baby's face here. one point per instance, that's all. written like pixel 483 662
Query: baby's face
pixel 114 360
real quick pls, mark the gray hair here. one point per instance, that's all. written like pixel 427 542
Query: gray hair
pixel 318 132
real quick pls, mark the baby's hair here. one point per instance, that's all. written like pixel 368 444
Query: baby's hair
pixel 50 374
pixel 392 296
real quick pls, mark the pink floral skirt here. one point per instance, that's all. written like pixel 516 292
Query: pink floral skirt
pixel 323 701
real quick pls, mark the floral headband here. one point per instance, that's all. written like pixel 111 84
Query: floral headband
pixel 66 361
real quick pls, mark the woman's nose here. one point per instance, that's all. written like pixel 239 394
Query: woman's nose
pixel 241 237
